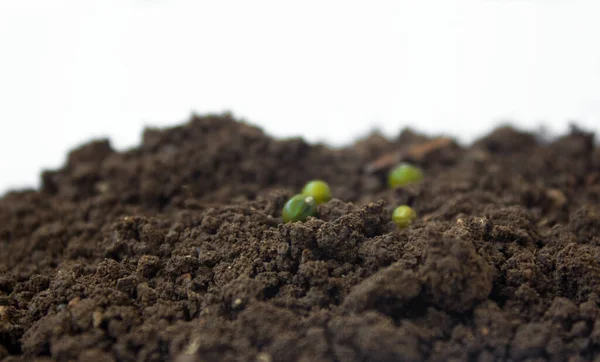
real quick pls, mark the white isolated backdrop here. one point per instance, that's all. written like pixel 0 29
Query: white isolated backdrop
pixel 326 70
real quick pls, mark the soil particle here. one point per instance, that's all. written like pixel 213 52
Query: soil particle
pixel 175 251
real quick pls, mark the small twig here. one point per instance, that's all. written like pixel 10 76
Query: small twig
pixel 415 152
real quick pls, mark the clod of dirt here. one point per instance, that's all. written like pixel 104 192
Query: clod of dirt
pixel 455 277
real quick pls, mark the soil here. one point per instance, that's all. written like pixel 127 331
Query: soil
pixel 175 251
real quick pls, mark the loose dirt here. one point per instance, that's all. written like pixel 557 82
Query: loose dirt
pixel 175 251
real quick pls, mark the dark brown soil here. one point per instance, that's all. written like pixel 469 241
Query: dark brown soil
pixel 175 251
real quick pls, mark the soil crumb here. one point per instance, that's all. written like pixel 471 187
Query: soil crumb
pixel 175 251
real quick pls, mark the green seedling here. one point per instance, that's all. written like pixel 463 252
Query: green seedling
pixel 403 175
pixel 299 208
pixel 319 190
pixel 403 216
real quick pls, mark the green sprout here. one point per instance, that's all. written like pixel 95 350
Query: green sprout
pixel 319 190
pixel 403 175
pixel 299 208
pixel 403 216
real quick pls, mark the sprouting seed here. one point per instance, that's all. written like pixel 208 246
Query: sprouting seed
pixel 299 208
pixel 404 174
pixel 319 190
pixel 403 216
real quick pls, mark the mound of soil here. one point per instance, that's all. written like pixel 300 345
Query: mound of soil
pixel 175 251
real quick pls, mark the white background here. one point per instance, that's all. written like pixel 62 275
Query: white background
pixel 326 70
